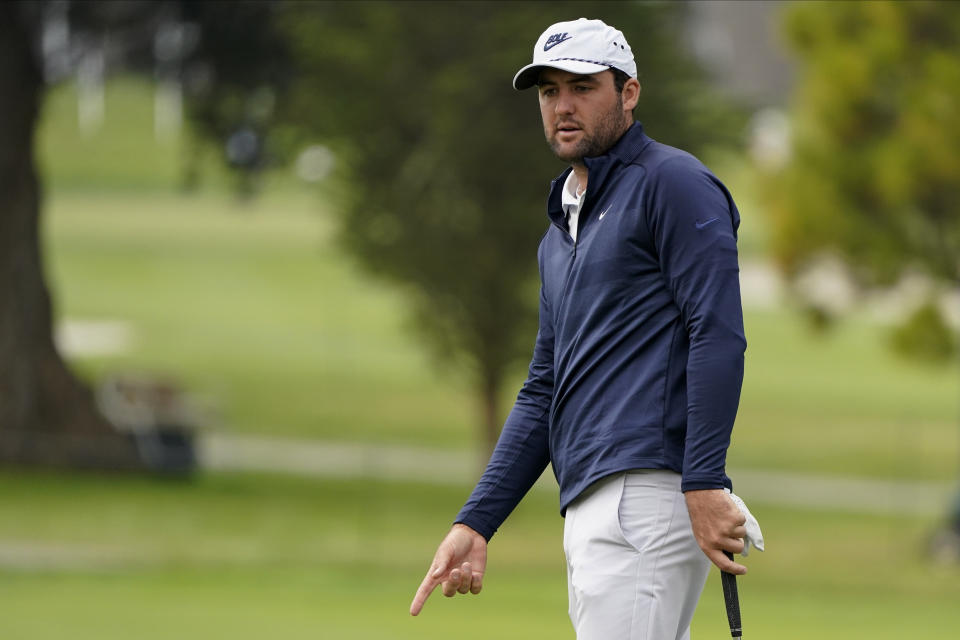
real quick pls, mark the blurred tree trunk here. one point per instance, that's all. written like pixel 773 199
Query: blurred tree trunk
pixel 46 416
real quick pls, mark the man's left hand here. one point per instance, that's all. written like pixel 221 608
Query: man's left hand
pixel 718 525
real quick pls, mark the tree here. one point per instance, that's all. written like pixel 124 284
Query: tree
pixel 47 416
pixel 38 395
pixel 445 167
pixel 875 172
pixel 876 147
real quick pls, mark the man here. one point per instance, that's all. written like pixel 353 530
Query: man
pixel 635 379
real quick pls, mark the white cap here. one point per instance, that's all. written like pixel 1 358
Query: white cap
pixel 579 46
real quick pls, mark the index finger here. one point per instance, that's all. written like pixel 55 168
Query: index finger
pixel 725 563
pixel 426 588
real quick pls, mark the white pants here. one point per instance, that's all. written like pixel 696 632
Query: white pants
pixel 634 569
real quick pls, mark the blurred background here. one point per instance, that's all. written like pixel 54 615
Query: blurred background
pixel 268 288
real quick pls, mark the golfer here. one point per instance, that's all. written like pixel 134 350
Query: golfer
pixel 636 372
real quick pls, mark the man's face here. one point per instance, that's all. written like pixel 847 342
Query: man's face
pixel 583 115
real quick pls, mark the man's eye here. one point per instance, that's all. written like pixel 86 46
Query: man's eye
pixel 582 88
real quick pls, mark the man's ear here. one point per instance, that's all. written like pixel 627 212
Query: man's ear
pixel 630 94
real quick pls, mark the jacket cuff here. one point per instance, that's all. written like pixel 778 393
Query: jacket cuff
pixel 698 484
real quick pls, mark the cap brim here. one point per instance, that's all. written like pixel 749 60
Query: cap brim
pixel 528 76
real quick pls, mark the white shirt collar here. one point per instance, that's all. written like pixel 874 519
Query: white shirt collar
pixel 569 197
pixel 571 203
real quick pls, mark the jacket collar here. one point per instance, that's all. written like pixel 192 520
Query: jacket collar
pixel 626 149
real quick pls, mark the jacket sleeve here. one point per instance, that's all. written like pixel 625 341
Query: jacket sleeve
pixel 522 452
pixel 694 225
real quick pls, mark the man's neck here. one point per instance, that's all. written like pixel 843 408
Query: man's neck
pixel 580 171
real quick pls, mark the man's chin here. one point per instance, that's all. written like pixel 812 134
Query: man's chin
pixel 571 159
pixel 572 155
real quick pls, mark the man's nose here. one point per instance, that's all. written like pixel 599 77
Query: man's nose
pixel 565 103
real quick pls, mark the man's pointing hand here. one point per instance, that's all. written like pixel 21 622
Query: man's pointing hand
pixel 458 565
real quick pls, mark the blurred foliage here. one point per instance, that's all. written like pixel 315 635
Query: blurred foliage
pixel 445 164
pixel 875 170
pixel 235 73
pixel 230 61
pixel 925 335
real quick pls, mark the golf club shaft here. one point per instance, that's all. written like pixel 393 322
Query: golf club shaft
pixel 732 600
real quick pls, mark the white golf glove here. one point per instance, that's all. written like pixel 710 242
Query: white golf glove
pixel 754 536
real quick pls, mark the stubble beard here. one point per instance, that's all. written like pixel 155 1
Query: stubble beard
pixel 608 130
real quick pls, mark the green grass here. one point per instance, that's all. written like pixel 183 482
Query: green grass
pixel 121 154
pixel 244 556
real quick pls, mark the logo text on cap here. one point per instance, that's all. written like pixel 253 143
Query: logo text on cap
pixel 554 40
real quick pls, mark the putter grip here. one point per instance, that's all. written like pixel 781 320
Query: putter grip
pixel 732 600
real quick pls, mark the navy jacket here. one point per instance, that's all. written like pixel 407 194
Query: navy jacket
pixel 638 361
